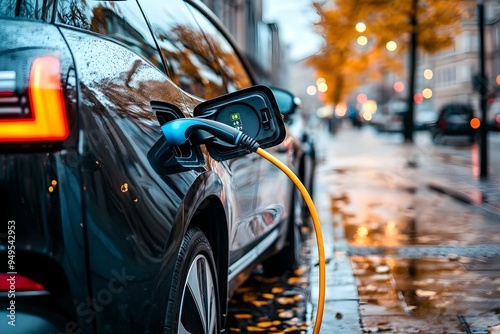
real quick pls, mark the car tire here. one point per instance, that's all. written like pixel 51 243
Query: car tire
pixel 194 305
pixel 288 258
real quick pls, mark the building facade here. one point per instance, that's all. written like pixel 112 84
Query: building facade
pixel 259 40
pixel 456 70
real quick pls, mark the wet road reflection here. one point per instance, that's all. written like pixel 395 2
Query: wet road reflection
pixel 381 209
pixel 423 261
pixel 436 292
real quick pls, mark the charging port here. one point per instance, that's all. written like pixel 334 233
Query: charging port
pixel 266 122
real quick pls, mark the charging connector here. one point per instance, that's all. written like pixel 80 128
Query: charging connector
pixel 178 131
pixel 317 230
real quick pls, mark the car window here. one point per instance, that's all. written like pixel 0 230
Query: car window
pixel 119 20
pixel 191 64
pixel 31 9
pixel 230 66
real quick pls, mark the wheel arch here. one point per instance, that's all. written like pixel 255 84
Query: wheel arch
pixel 206 207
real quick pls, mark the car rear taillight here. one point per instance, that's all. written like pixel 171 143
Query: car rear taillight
pixel 442 124
pixel 46 118
pixel 18 283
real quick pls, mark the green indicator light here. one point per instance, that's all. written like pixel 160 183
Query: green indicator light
pixel 235 117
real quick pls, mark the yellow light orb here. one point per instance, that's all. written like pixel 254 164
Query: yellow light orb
pixel 360 27
pixel 320 81
pixel 322 87
pixel 391 46
pixel 362 40
pixel 427 93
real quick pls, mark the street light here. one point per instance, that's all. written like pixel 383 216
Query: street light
pixel 428 74
pixel 391 46
pixel 427 93
pixel 322 87
pixel 311 90
pixel 360 27
pixel 362 40
pixel 320 81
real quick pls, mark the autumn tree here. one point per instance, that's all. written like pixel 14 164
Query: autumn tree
pixel 426 25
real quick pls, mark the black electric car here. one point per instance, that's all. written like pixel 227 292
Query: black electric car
pixel 106 226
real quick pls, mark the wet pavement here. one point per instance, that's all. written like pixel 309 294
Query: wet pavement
pixel 412 242
pixel 420 236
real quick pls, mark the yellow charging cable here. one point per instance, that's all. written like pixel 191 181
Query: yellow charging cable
pixel 317 230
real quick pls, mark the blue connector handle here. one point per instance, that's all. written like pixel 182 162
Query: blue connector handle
pixel 176 132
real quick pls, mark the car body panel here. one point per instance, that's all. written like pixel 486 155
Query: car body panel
pixel 100 216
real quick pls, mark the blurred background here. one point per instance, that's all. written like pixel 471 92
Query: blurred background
pixel 373 58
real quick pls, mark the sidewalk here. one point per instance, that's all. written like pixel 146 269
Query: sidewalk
pixel 407 167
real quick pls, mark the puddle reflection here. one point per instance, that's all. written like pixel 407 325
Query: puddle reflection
pixel 425 286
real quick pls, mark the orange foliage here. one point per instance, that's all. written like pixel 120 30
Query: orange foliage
pixel 346 65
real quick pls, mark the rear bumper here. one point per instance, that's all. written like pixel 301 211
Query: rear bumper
pixel 33 321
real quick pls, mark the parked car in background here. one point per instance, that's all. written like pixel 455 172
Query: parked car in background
pixel 106 228
pixel 424 119
pixel 455 119
pixel 299 128
pixel 389 116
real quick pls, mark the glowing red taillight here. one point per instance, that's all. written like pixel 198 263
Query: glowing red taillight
pixel 17 283
pixel 48 120
pixel 442 124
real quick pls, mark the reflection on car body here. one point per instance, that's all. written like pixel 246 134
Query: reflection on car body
pixel 116 229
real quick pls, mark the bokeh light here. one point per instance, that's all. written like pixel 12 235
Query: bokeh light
pixel 398 86
pixel 320 81
pixel 311 90
pixel 360 27
pixel 341 110
pixel 362 40
pixel 475 123
pixel 428 74
pixel 362 232
pixel 391 46
pixel 427 93
pixel 418 98
pixel 322 87
pixel 370 106
pixel 361 98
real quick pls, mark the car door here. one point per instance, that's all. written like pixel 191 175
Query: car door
pixel 129 203
pixel 273 193
pixel 193 50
